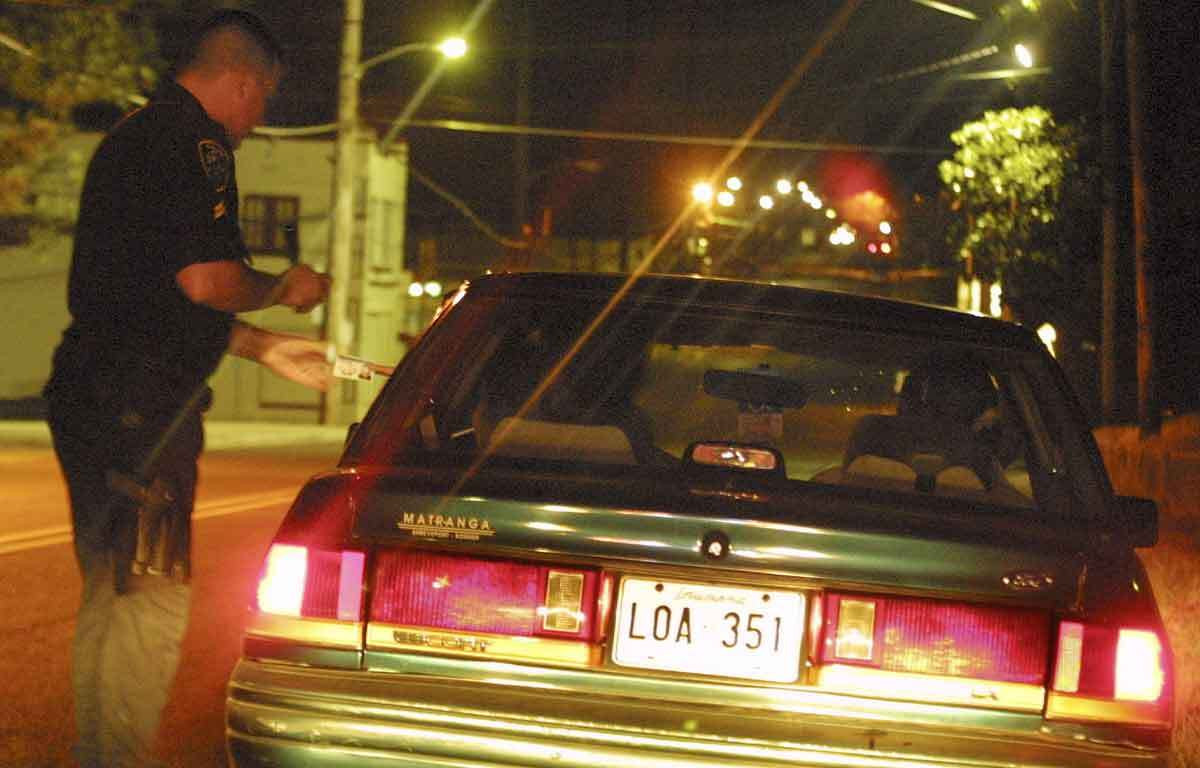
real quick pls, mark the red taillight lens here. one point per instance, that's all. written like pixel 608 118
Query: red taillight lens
pixel 1123 663
pixel 427 589
pixel 312 583
pixel 936 637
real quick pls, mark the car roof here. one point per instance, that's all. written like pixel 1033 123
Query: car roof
pixel 867 313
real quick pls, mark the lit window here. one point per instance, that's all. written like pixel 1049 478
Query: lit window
pixel 270 225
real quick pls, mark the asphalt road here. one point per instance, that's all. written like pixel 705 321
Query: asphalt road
pixel 243 494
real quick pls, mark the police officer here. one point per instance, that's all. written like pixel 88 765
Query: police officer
pixel 158 272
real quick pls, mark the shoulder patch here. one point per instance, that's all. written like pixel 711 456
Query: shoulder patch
pixel 214 159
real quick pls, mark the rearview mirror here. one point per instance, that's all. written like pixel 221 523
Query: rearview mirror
pixel 759 386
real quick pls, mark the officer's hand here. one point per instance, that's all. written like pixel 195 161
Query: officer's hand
pixel 302 288
pixel 297 359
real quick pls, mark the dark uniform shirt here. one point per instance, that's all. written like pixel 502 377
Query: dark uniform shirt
pixel 160 194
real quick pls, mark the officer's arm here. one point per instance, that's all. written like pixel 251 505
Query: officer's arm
pixel 232 286
pixel 296 358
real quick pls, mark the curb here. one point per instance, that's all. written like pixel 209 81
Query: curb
pixel 218 435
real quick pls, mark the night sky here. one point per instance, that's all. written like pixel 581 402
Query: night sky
pixel 684 68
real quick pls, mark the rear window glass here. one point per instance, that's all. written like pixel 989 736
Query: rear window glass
pixel 576 385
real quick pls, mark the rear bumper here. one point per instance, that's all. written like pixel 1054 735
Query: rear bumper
pixel 283 715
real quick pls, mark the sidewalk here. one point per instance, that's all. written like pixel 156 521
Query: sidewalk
pixel 218 435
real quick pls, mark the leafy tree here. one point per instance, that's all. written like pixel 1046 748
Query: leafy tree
pixel 21 144
pixel 1005 183
pixel 54 60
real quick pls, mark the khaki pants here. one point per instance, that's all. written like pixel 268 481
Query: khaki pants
pixel 127 644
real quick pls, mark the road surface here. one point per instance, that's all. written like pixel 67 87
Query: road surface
pixel 243 494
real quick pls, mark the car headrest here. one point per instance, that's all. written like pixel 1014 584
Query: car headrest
pixel 560 441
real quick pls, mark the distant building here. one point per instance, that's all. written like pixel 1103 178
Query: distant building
pixel 286 193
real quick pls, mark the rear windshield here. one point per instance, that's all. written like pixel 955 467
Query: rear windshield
pixel 577 387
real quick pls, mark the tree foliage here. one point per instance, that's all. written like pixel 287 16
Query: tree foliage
pixel 21 144
pixel 99 53
pixel 1005 182
pixel 53 60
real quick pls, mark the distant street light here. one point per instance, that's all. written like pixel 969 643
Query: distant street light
pixel 843 235
pixel 702 192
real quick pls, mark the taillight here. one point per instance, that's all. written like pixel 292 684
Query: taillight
pixel 487 608
pixel 1104 672
pixel 311 583
pixel 935 637
pixel 504 597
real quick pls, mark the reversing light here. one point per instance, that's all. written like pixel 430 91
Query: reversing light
pixel 1070 657
pixel 562 609
pixel 855 639
pixel 1139 674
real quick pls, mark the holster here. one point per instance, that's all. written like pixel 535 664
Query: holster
pixel 151 525
pixel 152 536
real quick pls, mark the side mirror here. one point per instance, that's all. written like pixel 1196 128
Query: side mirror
pixel 350 430
pixel 1136 520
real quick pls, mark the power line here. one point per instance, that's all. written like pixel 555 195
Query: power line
pixel 671 138
pixel 507 129
pixel 465 210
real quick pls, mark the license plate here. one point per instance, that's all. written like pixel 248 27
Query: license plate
pixel 709 630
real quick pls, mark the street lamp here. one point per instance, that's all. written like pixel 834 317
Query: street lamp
pixel 338 328
pixel 451 48
pixel 1024 55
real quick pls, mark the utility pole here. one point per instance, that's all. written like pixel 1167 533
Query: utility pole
pixel 521 140
pixel 1144 244
pixel 1110 245
pixel 339 329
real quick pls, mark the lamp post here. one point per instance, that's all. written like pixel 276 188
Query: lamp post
pixel 338 328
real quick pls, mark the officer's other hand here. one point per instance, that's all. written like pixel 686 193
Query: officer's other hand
pixel 303 288
pixel 301 360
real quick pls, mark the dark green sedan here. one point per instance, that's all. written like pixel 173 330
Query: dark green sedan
pixel 676 521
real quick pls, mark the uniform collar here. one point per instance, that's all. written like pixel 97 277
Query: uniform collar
pixel 171 92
